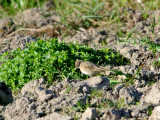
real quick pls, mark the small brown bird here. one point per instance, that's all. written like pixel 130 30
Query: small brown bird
pixel 88 68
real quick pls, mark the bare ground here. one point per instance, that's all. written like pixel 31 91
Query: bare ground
pixel 123 101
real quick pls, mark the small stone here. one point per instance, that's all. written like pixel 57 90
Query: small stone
pixel 137 83
pixel 122 68
pixel 155 114
pixel 89 114
pixel 124 51
pixel 118 87
pixel 152 68
pixel 121 77
pixel 151 96
pixel 99 82
pixel 112 114
pixel 94 81
pixel 135 113
pixel 94 102
pixel 85 89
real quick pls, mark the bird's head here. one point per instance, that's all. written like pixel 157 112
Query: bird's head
pixel 77 63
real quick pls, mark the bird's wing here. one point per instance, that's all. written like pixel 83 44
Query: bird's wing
pixel 91 66
pixel 88 65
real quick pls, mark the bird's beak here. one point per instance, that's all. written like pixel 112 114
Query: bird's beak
pixel 76 68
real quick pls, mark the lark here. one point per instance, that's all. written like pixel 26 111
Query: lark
pixel 89 68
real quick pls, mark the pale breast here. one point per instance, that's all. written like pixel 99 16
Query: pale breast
pixel 86 72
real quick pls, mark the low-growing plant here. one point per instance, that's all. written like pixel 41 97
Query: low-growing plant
pixel 51 60
pixel 81 106
pixel 144 41
pixel 84 12
pixel 96 93
pixel 13 6
pixel 131 32
pixel 158 62
pixel 114 82
pixel 151 45
pixel 120 103
pixel 76 118
pixel 153 24
pixel 129 77
pixel 68 89
pixel 137 103
pixel 105 103
pixel 149 109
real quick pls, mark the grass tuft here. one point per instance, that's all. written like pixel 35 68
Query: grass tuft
pixel 11 7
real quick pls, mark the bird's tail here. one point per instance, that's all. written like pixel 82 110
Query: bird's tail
pixel 106 71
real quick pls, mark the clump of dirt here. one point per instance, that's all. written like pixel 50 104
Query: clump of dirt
pixel 37 101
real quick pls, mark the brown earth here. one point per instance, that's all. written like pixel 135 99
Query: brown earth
pixel 36 101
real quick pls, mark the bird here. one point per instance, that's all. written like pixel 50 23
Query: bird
pixel 89 68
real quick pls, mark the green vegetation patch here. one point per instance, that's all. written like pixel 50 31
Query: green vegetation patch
pixel 13 6
pixel 51 60
pixel 83 12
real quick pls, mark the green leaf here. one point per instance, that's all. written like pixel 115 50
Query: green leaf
pixel 75 108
